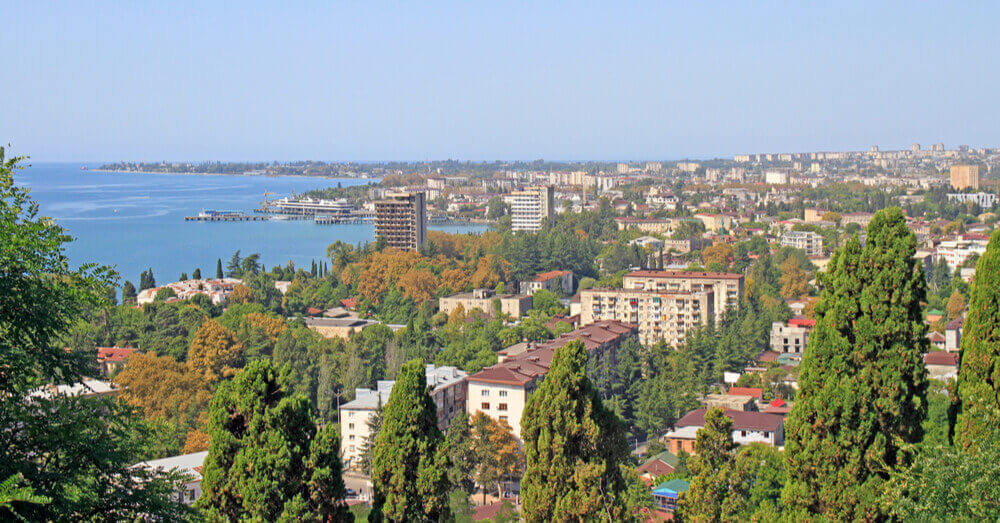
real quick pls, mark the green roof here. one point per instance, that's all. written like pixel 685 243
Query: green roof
pixel 674 486
pixel 667 457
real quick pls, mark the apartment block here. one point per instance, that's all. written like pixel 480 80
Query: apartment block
pixel 808 241
pixel 501 391
pixel 554 281
pixel 659 315
pixel 964 177
pixel 401 220
pixel 448 390
pixel 529 208
pixel 791 338
pixel 726 288
pixel 514 305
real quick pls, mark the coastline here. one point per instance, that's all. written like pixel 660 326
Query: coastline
pixel 319 177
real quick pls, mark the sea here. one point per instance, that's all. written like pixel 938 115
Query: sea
pixel 134 222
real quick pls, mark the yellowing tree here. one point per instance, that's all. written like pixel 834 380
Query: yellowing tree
pixel 271 327
pixel 162 388
pixel 956 305
pixel 794 281
pixel 490 270
pixel 419 284
pixel 719 253
pixel 241 294
pixel 456 279
pixel 214 352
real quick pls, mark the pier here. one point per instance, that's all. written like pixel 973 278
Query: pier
pixel 224 216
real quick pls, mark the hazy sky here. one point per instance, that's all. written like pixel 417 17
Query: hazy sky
pixel 470 80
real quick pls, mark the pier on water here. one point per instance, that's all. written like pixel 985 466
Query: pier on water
pixel 225 217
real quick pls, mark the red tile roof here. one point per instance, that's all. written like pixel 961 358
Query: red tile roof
pixel 313 311
pixel 656 467
pixel 802 322
pixel 742 420
pixel 778 403
pixel 546 276
pixel 935 336
pixel 941 358
pixel 349 303
pixel 755 392
pixel 114 353
pixel 684 274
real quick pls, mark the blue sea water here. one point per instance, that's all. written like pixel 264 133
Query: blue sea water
pixel 132 222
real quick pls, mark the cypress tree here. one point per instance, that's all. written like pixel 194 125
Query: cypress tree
pixel 196 274
pixel 184 277
pixel 862 382
pixel 574 447
pixel 409 463
pixel 128 292
pixel 218 269
pixel 979 369
pixel 714 449
pixel 266 460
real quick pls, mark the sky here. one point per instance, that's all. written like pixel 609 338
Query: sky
pixel 613 81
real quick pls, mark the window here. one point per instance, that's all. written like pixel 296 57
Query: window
pixel 503 394
pixel 486 393
pixel 502 406
pixel 767 434
pixel 743 433
pixel 503 418
pixel 486 406
pixel 191 495
pixel 351 437
pixel 350 425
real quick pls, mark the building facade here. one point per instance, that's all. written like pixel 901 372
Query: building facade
pixel 658 315
pixel 531 207
pixel 513 305
pixel 748 427
pixel 808 241
pixel 964 177
pixel 553 281
pixel 726 288
pixel 790 338
pixel 401 220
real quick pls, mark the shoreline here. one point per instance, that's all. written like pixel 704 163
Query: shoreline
pixel 322 177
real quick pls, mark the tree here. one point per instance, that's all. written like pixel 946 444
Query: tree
pixel 234 269
pixel 419 284
pixel 267 461
pixel 714 450
pixel 719 254
pixel 574 447
pixel 461 454
pixel 956 305
pixel 794 281
pixel 241 294
pixel 862 383
pixel 196 274
pixel 218 269
pixel 129 293
pixel 497 452
pixel 75 451
pixel 163 388
pixel 214 352
pixel 410 466
pixel 184 277
pixel 979 371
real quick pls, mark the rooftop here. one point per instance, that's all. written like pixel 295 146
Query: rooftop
pixel 741 420
pixel 545 276
pixel 114 353
pixel 684 274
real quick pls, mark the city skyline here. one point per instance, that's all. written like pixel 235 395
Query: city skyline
pixel 110 81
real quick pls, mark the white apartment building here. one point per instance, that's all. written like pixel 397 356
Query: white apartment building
pixel 776 178
pixel 659 315
pixel 791 338
pixel 529 208
pixel 187 464
pixel 216 289
pixel 726 288
pixel 448 389
pixel 983 199
pixel 808 241
pixel 955 251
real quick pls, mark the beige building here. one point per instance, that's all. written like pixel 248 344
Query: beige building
pixel 448 390
pixel 554 281
pixel 647 225
pixel 401 219
pixel 659 315
pixel 530 208
pixel 964 177
pixel 514 305
pixel 501 391
pixel 727 288
pixel 342 328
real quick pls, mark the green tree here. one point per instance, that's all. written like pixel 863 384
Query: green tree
pixel 196 274
pixel 979 372
pixel 710 465
pixel 574 446
pixel 461 454
pixel 75 451
pixel 218 269
pixel 862 383
pixel 410 465
pixel 128 293
pixel 266 460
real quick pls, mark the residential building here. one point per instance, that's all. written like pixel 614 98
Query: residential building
pixel 985 200
pixel 964 177
pixel 553 281
pixel 112 359
pixel 659 315
pixel 726 288
pixel 717 223
pixel 684 246
pixel 941 365
pixel 216 289
pixel 187 464
pixel 501 391
pixel 513 305
pixel 808 241
pixel 531 207
pixel 776 178
pixel 647 225
pixel 956 250
pixel 447 386
pixel 659 465
pixel 953 335
pixel 401 220
pixel 730 402
pixel 342 328
pixel 666 494
pixel 748 427
pixel 87 388
pixel 791 338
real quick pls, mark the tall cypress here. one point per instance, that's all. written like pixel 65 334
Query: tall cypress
pixel 862 382
pixel 409 463
pixel 574 447
pixel 979 369
pixel 218 269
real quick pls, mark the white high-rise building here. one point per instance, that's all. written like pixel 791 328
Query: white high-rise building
pixel 531 207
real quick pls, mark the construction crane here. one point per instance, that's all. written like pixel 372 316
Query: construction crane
pixel 264 206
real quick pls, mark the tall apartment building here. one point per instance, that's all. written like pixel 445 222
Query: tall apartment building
pixel 659 315
pixel 964 177
pixel 401 219
pixel 501 391
pixel 726 288
pixel 448 390
pixel 531 207
pixel 808 241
